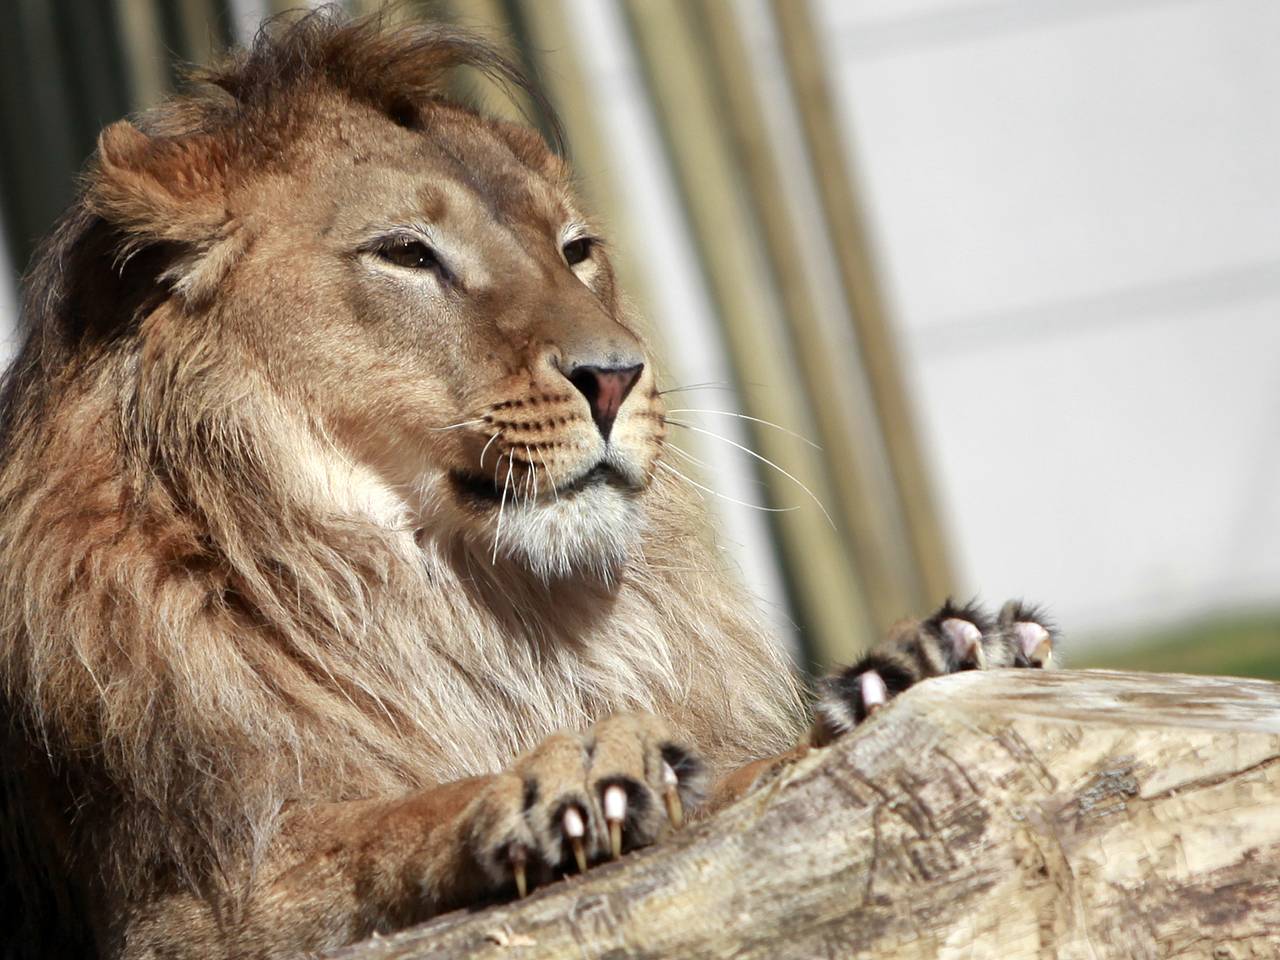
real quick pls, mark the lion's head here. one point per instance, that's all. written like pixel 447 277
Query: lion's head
pixel 420 280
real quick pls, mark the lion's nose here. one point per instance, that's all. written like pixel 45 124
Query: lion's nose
pixel 605 389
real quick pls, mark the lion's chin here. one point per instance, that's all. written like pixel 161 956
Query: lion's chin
pixel 592 533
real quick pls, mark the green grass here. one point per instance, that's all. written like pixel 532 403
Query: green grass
pixel 1239 646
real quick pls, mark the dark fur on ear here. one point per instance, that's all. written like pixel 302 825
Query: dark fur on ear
pixel 168 193
pixel 79 300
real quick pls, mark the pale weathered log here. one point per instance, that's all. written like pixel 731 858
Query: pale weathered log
pixel 1002 815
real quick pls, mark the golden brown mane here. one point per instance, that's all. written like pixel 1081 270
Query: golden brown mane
pixel 205 614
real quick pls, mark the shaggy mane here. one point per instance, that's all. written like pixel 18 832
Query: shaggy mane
pixel 196 631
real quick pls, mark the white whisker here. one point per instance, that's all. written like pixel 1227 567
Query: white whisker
pixel 457 426
pixel 716 493
pixel 705 385
pixel 743 416
pixel 497 536
pixel 555 491
pixel 486 450
pixel 763 459
pixel 686 454
pixel 533 471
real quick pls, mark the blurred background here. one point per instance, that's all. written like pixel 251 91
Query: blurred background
pixel 997 282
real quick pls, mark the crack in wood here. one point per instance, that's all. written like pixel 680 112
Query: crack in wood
pixel 1217 780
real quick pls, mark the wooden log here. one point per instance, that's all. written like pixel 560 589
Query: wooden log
pixel 1004 815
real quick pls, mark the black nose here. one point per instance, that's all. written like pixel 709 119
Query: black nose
pixel 605 389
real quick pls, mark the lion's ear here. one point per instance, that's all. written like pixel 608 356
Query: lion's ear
pixel 167 190
pixel 160 188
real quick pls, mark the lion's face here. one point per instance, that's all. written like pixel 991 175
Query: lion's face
pixel 441 306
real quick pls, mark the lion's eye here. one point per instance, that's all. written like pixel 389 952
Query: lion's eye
pixel 411 253
pixel 575 251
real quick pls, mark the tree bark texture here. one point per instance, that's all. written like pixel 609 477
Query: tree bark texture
pixel 1010 814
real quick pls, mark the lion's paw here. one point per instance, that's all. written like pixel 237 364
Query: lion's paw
pixel 580 798
pixel 954 638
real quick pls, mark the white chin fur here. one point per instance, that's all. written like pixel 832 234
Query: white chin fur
pixel 591 531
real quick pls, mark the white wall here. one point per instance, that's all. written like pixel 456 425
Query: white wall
pixel 1076 204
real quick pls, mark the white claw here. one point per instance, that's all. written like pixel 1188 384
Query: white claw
pixel 615 812
pixel 575 830
pixel 874 693
pixel 615 803
pixel 573 825
pixel 1035 641
pixel 518 858
pixel 965 639
pixel 671 796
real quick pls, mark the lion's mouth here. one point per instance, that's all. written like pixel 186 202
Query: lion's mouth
pixel 484 490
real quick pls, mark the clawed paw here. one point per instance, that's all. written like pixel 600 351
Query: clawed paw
pixel 954 638
pixel 578 799
pixel 1030 633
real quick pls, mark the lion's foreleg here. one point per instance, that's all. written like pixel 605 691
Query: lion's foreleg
pixel 742 780
pixel 338 872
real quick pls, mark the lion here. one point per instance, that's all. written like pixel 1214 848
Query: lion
pixel 338 586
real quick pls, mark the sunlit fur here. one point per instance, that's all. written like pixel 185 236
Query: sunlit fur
pixel 235 578
pixel 592 533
